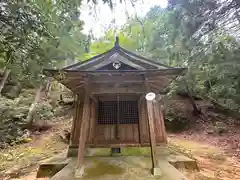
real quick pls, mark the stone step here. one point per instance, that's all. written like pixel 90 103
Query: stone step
pixel 66 173
pixel 169 172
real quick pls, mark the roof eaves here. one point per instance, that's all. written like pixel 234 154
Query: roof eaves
pixel 146 60
pixel 88 60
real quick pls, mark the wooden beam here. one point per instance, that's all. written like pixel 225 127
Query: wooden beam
pixel 113 58
pixel 78 87
pixel 141 119
pixel 83 135
pixel 89 84
pixel 161 118
pixel 92 122
pixel 121 90
pixel 117 77
pixel 150 97
pixel 146 83
pixel 93 98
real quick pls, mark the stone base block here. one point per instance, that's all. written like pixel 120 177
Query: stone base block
pixel 156 172
pixel 79 172
pixel 72 151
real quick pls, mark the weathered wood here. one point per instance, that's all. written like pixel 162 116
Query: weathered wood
pixel 112 97
pixel 95 126
pixel 79 86
pixel 141 120
pixel 97 60
pixel 92 123
pixel 116 144
pixel 83 130
pixel 147 88
pixel 118 119
pixel 121 90
pixel 113 58
pixel 78 122
pixel 163 128
pixel 150 97
pixel 159 128
pixel 147 72
pixel 144 122
pixel 74 123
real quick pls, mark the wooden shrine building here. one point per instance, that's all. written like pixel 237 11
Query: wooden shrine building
pixel 111 109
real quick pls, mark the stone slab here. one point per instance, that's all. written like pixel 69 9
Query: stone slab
pixel 66 173
pixel 180 161
pixel 53 165
pixel 170 171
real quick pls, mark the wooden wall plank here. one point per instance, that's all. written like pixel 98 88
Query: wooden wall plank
pixel 136 133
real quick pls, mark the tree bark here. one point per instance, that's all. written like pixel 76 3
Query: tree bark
pixel 48 88
pixel 61 95
pixel 33 105
pixel 4 80
pixel 196 111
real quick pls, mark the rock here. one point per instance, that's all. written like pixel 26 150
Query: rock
pixel 210 131
pixel 26 140
pixel 3 145
pixel 10 158
pixel 9 138
pixel 26 134
pixel 11 91
pixel 65 136
pixel 37 133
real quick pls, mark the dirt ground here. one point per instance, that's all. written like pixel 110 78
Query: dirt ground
pixel 21 162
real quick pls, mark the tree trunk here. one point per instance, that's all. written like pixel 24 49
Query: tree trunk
pixel 196 111
pixel 48 88
pixel 33 105
pixel 61 91
pixel 4 80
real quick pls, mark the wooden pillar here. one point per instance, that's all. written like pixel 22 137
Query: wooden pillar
pixel 150 97
pixel 162 124
pixel 83 135
pixel 74 123
pixel 141 120
pixel 160 116
pixel 92 123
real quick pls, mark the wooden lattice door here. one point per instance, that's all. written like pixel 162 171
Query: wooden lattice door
pixel 118 119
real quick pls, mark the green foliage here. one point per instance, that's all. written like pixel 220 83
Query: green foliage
pixel 13 115
pixel 11 110
pixel 211 53
pixel 43 111
pixel 38 34
pixel 191 34
pixel 175 119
